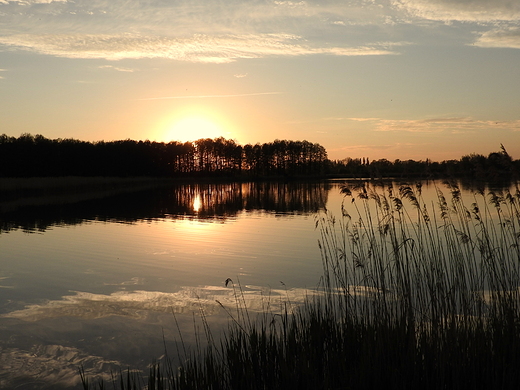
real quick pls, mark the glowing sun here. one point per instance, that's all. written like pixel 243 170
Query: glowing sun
pixel 193 128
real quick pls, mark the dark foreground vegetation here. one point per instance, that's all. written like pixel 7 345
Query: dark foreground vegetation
pixel 33 156
pixel 413 296
pixel 37 156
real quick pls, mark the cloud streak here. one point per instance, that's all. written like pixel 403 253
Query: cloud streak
pixel 116 68
pixel 197 48
pixel 437 125
pixel 53 365
pixel 213 96
pixel 194 31
pixel 135 303
pixel 462 10
pixel 220 32
pixel 30 2
pixel 500 38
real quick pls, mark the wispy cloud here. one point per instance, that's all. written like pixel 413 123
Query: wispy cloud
pixel 213 96
pixel 462 10
pixel 136 303
pixel 361 150
pixel 30 2
pixel 290 3
pixel 43 361
pixel 196 30
pixel 117 68
pixel 505 38
pixel 441 124
pixel 197 48
pixel 362 119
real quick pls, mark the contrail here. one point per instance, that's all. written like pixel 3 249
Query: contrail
pixel 212 96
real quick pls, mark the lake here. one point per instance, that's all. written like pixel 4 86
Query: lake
pixel 113 280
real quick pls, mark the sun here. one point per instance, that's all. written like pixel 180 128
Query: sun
pixel 192 128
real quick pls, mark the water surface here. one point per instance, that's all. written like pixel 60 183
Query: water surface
pixel 95 283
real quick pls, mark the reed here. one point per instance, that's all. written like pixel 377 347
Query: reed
pixel 415 294
pixel 431 289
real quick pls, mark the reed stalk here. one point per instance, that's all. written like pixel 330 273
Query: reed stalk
pixel 415 294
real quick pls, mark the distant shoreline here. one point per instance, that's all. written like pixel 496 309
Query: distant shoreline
pixel 19 192
pixel 8 184
pixel 15 187
pixel 79 183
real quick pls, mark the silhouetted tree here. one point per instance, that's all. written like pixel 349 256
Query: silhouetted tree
pixel 30 155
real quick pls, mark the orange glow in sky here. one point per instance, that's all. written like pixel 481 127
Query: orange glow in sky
pixel 192 128
pixel 191 124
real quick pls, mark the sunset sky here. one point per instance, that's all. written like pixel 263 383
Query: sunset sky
pixel 407 79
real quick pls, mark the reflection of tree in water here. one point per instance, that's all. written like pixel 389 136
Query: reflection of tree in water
pixel 197 201
pixel 203 201
pixel 292 197
pixel 225 200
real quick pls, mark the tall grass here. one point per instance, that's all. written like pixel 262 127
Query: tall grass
pixel 416 294
pixel 432 289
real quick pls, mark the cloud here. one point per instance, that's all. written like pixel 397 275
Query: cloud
pixel 196 30
pixel 462 10
pixel 197 48
pixel 362 119
pixel 505 38
pixel 53 365
pixel 503 13
pixel 364 148
pixel 290 3
pixel 188 16
pixel 135 304
pixel 30 2
pixel 119 69
pixel 443 124
pixel 213 96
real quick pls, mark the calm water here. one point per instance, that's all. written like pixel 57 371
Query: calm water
pixel 94 283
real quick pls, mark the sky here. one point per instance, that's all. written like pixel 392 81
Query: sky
pixel 395 79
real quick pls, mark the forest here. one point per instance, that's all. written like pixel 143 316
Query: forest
pixel 37 156
pixel 497 166
pixel 34 156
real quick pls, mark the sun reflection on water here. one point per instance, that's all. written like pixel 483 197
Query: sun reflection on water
pixel 196 203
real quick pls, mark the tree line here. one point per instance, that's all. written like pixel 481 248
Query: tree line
pixel 35 155
pixel 494 167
